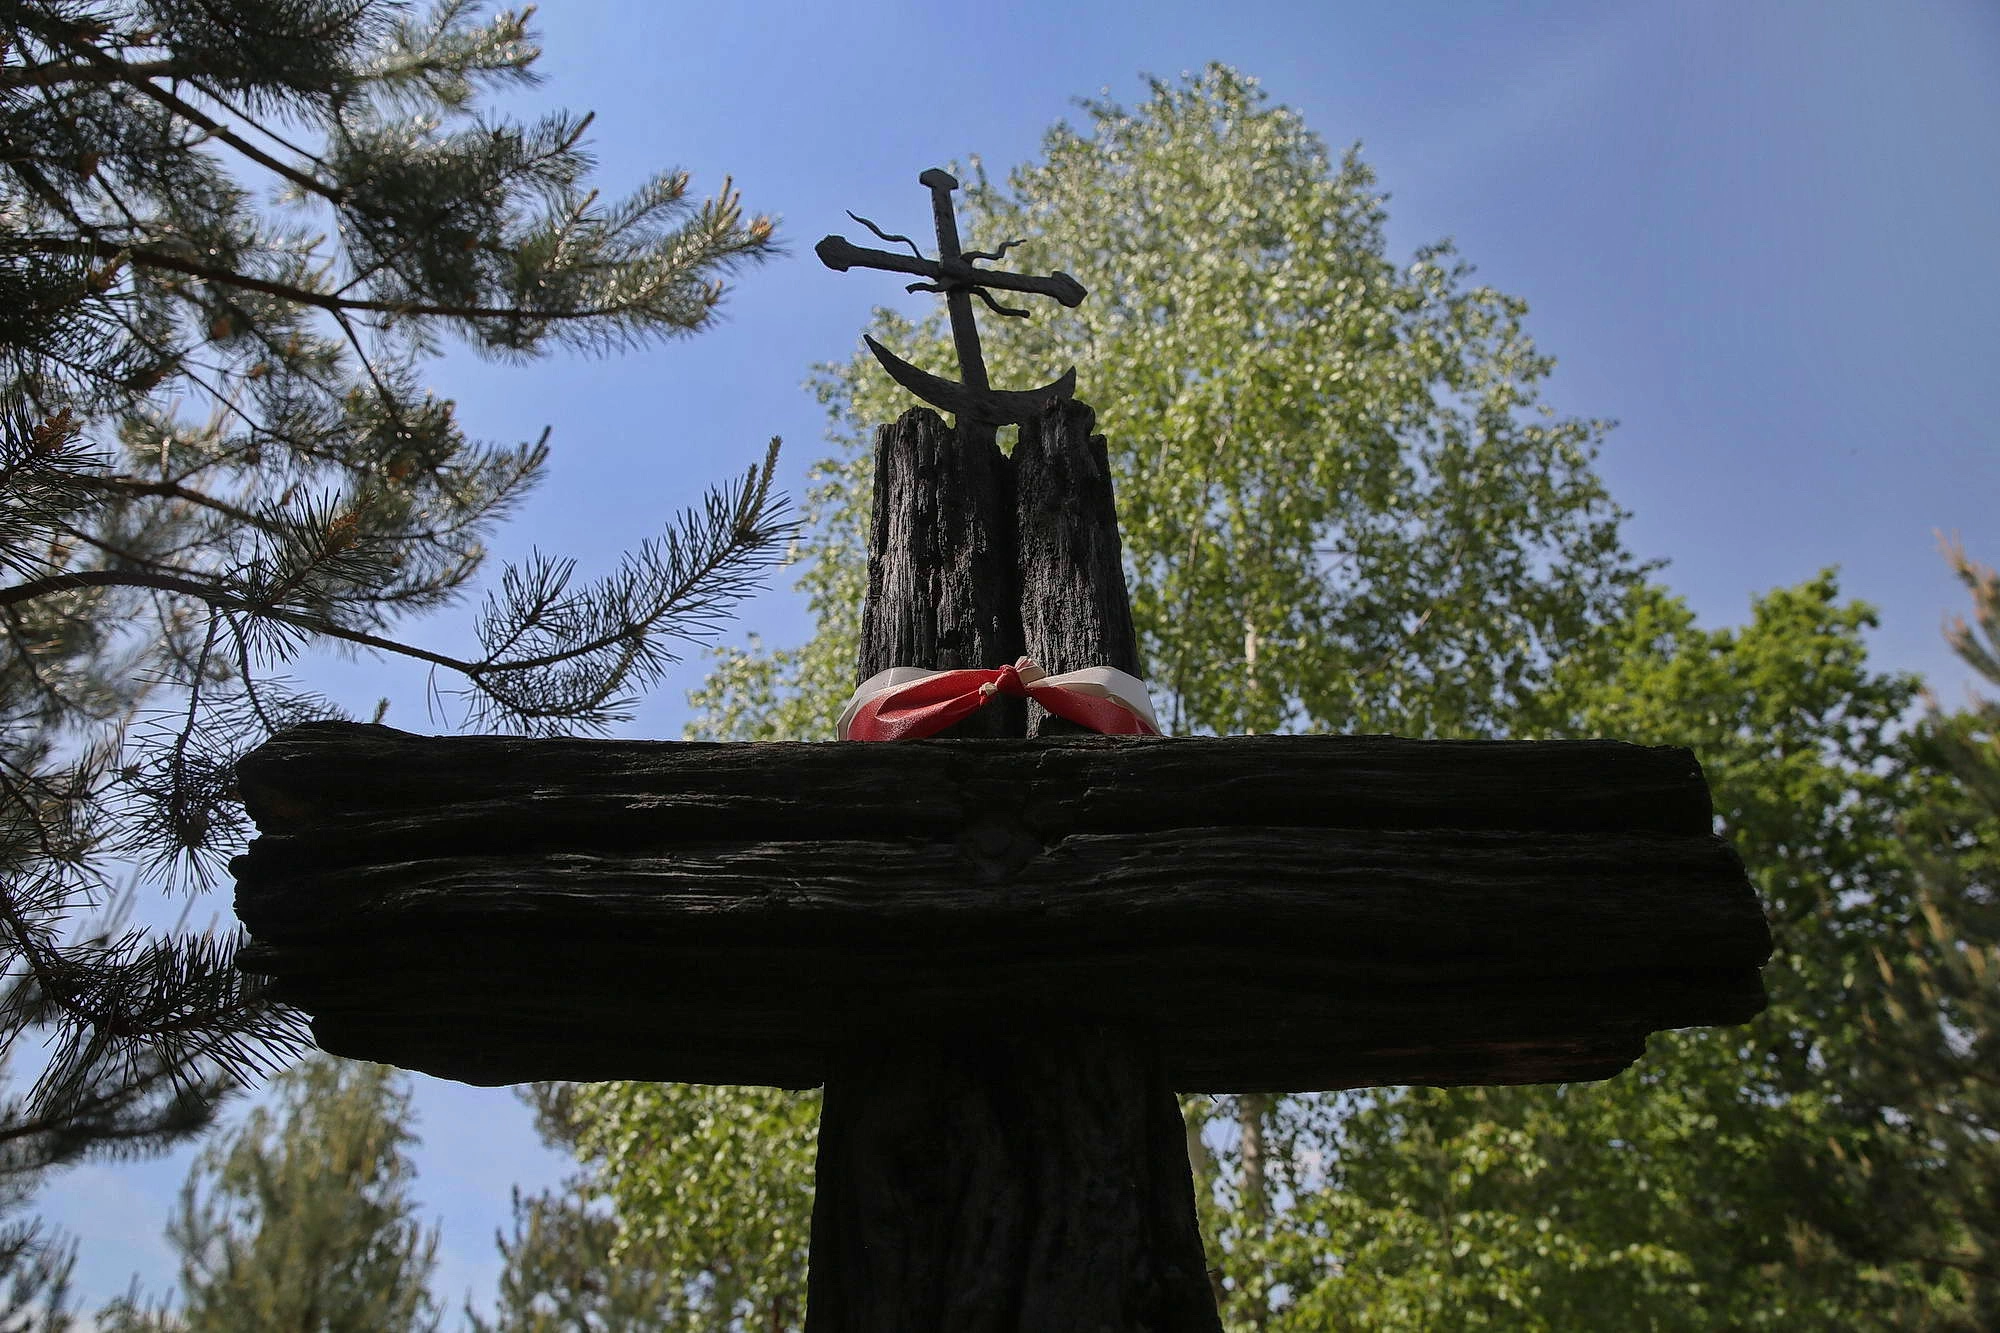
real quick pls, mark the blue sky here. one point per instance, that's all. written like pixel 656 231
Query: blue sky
pixel 1758 234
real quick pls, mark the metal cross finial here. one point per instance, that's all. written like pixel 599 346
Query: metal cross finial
pixel 953 275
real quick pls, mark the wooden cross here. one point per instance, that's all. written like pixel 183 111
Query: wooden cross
pixel 955 276
pixel 1000 953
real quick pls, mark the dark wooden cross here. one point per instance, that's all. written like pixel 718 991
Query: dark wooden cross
pixel 1002 951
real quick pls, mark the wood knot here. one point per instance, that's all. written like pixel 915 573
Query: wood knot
pixel 996 845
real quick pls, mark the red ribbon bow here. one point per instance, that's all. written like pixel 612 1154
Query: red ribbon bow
pixel 928 705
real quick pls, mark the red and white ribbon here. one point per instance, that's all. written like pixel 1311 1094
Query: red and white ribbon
pixel 904 703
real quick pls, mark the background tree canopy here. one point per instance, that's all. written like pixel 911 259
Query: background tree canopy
pixel 1343 509
pixel 303 1216
pixel 1342 505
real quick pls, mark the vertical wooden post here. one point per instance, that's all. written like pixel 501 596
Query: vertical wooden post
pixel 1019 1172
pixel 1074 609
pixel 941 580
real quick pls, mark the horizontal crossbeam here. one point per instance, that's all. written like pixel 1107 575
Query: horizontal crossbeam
pixel 1285 913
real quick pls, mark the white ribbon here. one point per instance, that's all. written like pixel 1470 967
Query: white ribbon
pixel 1102 681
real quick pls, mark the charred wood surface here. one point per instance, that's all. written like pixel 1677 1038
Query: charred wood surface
pixel 1281 912
pixel 1027 1184
pixel 326 775
pixel 1075 612
pixel 1005 1160
pixel 942 590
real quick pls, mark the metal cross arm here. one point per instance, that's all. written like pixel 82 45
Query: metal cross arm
pixel 955 276
pixel 840 254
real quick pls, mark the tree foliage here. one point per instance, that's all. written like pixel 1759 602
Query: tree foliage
pixel 721 1245
pixel 563 1270
pixel 231 234
pixel 713 1185
pixel 1827 1166
pixel 1343 506
pixel 1342 510
pixel 302 1218
pixel 1669 1197
pixel 1931 1036
pixel 563 1266
pixel 35 1271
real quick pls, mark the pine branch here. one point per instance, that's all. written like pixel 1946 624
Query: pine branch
pixel 609 636
pixel 130 1013
pixel 137 486
pixel 35 1268
pixel 150 258
pixel 47 76
pixel 55 702
pixel 46 473
pixel 322 498
pixel 437 55
pixel 108 1119
pixel 679 586
pixel 209 125
pixel 221 598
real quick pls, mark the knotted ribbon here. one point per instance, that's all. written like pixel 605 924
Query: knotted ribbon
pixel 904 703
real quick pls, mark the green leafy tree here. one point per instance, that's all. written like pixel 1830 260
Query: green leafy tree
pixel 563 1270
pixel 1343 508
pixel 302 1219
pixel 232 232
pixel 35 1269
pixel 713 1186
pixel 571 1264
pixel 1827 1166
pixel 1932 1033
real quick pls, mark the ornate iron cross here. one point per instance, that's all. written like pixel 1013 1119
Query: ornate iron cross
pixel 954 275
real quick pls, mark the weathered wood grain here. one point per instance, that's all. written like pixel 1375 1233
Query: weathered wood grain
pixel 1030 1174
pixel 1273 979
pixel 502 1031
pixel 989 1165
pixel 514 791
pixel 941 581
pixel 1075 611
pixel 1381 906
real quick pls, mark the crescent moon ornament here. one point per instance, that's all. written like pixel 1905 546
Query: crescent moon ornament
pixel 995 407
